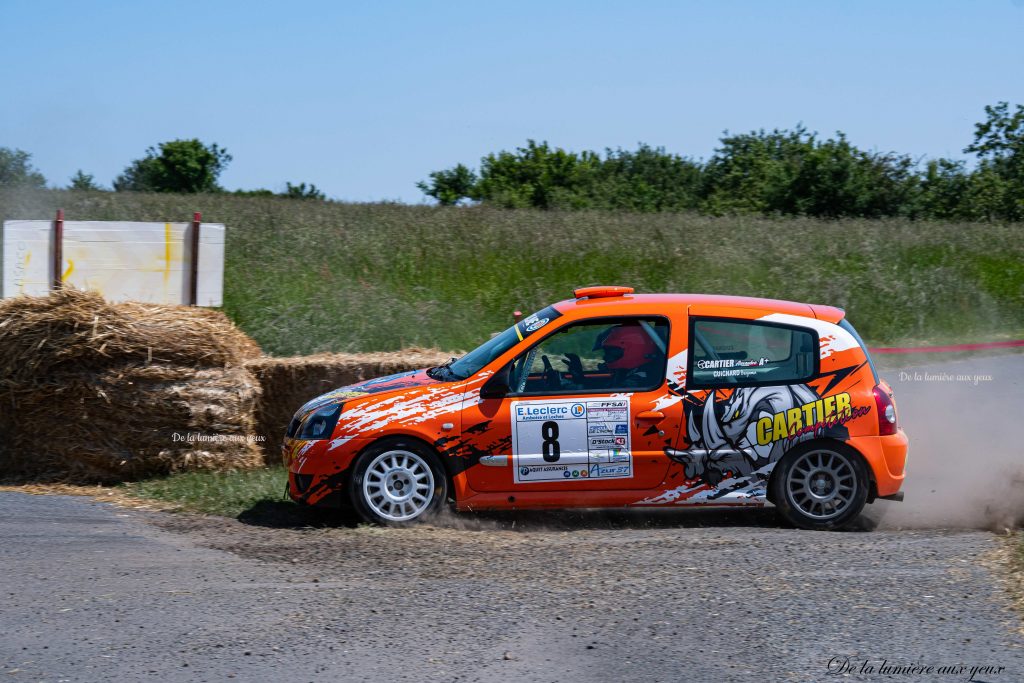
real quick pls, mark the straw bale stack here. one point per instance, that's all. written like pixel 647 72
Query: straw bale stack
pixel 97 392
pixel 287 383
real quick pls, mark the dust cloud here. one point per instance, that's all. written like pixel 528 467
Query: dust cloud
pixel 966 463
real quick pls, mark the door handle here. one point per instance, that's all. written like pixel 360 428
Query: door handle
pixel 650 416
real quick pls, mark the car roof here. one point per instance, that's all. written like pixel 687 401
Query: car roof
pixel 617 305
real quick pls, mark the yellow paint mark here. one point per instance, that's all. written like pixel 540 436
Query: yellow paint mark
pixel 167 255
pixel 67 273
pixel 21 283
pixel 518 333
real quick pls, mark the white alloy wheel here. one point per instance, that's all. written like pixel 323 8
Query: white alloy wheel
pixel 398 485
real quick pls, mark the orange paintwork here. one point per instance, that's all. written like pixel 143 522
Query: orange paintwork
pixel 667 467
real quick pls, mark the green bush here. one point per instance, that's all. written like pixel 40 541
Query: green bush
pixel 782 172
pixel 180 166
pixel 16 171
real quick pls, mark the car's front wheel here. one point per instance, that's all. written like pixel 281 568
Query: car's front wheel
pixel 820 486
pixel 397 482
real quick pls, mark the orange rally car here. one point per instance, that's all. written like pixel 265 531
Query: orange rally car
pixel 617 399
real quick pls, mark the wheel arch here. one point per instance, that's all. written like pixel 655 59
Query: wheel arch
pixel 821 441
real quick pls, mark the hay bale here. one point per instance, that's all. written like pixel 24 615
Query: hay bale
pixel 287 383
pixel 41 335
pixel 96 392
pixel 133 422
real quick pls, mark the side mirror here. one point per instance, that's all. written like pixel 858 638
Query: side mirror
pixel 497 386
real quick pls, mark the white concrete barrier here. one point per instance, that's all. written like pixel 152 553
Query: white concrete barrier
pixel 123 261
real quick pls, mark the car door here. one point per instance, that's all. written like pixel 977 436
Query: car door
pixel 744 371
pixel 573 418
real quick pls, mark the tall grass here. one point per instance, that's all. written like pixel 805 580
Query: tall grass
pixel 307 276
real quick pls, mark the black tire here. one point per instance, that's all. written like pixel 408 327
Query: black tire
pixel 820 485
pixel 388 479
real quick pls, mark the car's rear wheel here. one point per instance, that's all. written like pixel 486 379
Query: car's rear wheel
pixel 820 486
pixel 397 482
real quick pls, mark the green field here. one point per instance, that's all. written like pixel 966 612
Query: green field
pixel 308 276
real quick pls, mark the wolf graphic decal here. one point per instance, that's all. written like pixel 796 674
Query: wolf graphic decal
pixel 723 434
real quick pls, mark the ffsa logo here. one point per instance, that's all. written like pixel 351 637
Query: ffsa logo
pixel 578 410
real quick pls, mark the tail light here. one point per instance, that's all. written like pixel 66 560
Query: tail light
pixel 886 411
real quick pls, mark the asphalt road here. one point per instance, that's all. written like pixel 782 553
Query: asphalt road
pixel 92 592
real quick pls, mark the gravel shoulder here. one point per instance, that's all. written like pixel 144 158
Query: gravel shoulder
pixel 94 592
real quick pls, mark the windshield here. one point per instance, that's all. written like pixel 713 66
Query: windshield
pixel 475 360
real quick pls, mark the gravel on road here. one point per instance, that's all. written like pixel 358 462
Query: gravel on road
pixel 93 592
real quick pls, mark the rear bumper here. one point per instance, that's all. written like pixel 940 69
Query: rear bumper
pixel 887 458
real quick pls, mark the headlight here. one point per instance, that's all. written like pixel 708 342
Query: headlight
pixel 320 425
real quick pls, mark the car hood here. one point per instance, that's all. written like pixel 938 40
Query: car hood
pixel 379 385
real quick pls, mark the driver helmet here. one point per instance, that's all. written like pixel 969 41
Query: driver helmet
pixel 626 347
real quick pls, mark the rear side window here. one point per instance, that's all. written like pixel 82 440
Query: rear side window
pixel 732 353
pixel 845 324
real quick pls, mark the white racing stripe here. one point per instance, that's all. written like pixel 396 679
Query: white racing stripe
pixel 833 338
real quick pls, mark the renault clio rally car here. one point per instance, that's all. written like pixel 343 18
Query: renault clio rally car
pixel 617 399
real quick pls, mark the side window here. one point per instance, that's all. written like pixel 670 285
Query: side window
pixel 727 353
pixel 607 354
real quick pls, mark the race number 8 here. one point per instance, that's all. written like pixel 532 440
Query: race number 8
pixel 551 450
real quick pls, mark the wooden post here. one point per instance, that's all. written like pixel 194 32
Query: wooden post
pixel 193 300
pixel 58 250
pixel 517 315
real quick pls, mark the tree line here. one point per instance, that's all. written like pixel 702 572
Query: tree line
pixel 778 172
pixel 179 166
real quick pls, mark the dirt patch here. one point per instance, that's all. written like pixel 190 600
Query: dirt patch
pixel 1007 564
pixel 102 494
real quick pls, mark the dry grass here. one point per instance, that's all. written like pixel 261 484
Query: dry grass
pixel 103 494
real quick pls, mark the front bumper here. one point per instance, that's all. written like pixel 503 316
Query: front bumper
pixel 327 493
pixel 318 472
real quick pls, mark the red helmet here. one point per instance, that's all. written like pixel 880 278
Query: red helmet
pixel 627 347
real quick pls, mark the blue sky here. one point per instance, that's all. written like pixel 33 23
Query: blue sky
pixel 364 99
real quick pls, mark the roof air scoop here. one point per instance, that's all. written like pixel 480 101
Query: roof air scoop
pixel 601 292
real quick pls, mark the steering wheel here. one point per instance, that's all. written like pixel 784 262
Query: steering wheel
pixel 551 376
pixel 575 368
